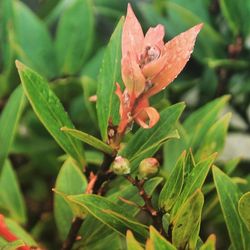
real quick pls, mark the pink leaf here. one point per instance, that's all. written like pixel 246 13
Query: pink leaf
pixel 154 36
pixel 132 34
pixel 177 54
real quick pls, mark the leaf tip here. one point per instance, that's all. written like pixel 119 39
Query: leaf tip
pixel 20 66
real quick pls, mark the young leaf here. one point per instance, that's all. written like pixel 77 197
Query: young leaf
pixel 108 213
pixel 193 181
pixel 8 122
pixel 186 220
pixel 70 180
pixel 11 195
pixel 148 140
pixel 229 195
pixel 110 73
pixel 158 241
pixel 12 245
pixel 210 243
pixel 173 185
pixel 244 206
pixel 89 139
pixel 74 36
pixel 50 111
pixel 35 50
pixel 132 243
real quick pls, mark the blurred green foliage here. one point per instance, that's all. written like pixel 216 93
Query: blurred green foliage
pixel 64 41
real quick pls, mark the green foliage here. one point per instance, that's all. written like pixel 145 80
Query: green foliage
pixel 73 54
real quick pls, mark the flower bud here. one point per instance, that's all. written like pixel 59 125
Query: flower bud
pixel 120 166
pixel 148 167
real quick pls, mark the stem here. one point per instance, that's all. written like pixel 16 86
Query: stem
pixel 71 237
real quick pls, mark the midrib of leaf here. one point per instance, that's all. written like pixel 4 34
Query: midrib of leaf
pixel 37 113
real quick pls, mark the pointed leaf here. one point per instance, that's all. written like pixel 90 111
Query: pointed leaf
pixel 89 139
pixel 158 242
pixel 8 122
pixel 229 195
pixel 132 243
pixel 50 111
pixel 210 243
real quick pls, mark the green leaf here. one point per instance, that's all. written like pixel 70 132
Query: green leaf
pixel 74 36
pixel 243 207
pixel 89 139
pixel 198 123
pixel 172 188
pixel 186 219
pixel 8 122
pixel 157 242
pixel 236 14
pixel 210 243
pixel 214 139
pixel 50 111
pixel 148 140
pixel 20 232
pixel 11 196
pixel 132 243
pixel 35 50
pixel 229 195
pixel 110 73
pixel 193 181
pixel 13 245
pixel 70 180
pixel 108 213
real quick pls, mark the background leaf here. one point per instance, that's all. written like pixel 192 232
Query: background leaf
pixel 74 36
pixel 243 206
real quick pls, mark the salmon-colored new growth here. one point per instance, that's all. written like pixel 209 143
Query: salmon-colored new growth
pixel 8 235
pixel 148 66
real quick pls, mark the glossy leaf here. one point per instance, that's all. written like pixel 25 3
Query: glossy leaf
pixel 149 140
pixel 132 243
pixel 89 139
pixel 229 195
pixel 193 181
pixel 244 206
pixel 109 213
pixel 186 219
pixel 49 110
pixel 70 180
pixel 110 73
pixel 173 185
pixel 8 122
pixel 74 36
